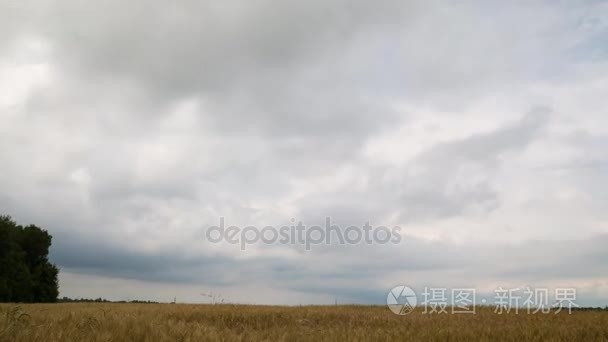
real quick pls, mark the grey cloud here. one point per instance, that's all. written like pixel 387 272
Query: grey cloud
pixel 544 260
pixel 486 148
pixel 155 118
pixel 326 271
pixel 445 180
pixel 458 173
pixel 88 257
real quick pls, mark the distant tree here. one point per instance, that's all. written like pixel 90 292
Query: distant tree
pixel 26 275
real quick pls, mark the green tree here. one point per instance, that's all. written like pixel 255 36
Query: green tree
pixel 26 275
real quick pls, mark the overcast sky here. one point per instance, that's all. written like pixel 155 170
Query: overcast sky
pixel 479 127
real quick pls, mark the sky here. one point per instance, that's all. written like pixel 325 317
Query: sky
pixel 480 128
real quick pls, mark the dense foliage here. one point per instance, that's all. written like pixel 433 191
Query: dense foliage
pixel 26 275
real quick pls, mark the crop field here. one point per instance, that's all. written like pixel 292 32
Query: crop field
pixel 227 322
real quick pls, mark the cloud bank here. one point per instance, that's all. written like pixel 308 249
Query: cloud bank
pixel 480 128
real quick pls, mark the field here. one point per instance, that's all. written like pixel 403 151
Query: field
pixel 227 322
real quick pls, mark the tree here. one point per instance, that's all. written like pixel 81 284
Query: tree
pixel 26 274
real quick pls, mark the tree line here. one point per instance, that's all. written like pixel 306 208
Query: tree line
pixel 26 274
pixel 103 300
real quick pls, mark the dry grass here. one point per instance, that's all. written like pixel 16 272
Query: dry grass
pixel 181 322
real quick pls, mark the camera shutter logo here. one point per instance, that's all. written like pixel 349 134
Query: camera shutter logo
pixel 401 300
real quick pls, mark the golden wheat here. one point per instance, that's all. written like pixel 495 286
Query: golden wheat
pixel 228 322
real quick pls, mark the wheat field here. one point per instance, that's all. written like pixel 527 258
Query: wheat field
pixel 228 322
